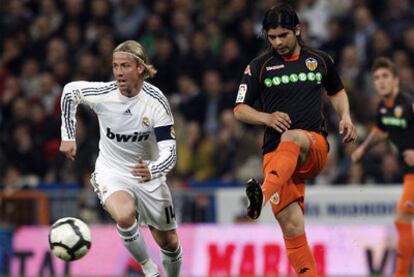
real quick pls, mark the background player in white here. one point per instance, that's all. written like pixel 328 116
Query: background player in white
pixel 136 150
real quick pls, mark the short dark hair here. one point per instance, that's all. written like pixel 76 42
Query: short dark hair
pixel 384 62
pixel 280 15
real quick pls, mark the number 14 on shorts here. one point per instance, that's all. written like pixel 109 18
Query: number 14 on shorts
pixel 169 214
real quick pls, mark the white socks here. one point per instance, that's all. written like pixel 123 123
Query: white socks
pixel 172 261
pixel 134 242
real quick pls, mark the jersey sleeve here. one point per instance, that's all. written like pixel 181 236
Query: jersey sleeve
pixel 165 137
pixel 249 88
pixel 69 101
pixel 331 81
pixel 75 93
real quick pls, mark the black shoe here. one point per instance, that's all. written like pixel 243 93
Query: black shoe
pixel 255 195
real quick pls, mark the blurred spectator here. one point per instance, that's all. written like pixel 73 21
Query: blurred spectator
pixel 249 41
pixel 397 16
pixel 129 18
pixel 215 37
pixel 29 77
pixel 100 20
pixel 154 30
pixel 49 10
pixel 380 45
pixel 409 43
pixel 189 100
pixel 12 55
pixel 390 170
pixel 57 52
pixel 336 40
pixel 12 180
pixel 231 66
pixel 40 33
pixel 15 18
pixel 365 27
pixel 215 101
pixel 196 154
pixel 104 56
pixel 309 11
pixel 88 68
pixel 406 76
pixel 74 10
pixel 233 146
pixel 23 153
pixel 181 30
pixel 74 41
pixel 166 62
pixel 48 93
pixel 45 131
pixel 199 59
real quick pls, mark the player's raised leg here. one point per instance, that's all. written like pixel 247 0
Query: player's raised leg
pixel 292 152
pixel 171 251
pixel 121 206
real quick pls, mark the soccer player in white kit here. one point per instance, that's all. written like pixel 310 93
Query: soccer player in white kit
pixel 137 149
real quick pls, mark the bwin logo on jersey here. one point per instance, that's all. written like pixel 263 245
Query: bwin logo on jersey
pixel 127 138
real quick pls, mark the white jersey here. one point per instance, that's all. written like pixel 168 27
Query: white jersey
pixel 130 127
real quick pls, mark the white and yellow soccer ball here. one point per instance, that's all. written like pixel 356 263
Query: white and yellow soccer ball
pixel 69 238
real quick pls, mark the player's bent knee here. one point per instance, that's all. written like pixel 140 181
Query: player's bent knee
pixel 296 136
pixel 292 229
pixel 169 240
pixel 125 220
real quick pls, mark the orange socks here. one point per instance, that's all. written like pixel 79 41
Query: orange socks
pixel 405 249
pixel 282 166
pixel 300 256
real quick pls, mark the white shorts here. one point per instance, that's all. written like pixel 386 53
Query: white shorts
pixel 153 202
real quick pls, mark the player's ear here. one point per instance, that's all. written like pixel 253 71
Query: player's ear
pixel 297 30
pixel 141 68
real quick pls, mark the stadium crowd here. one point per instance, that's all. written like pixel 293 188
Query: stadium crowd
pixel 200 49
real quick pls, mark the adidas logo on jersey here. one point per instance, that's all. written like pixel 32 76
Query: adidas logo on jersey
pixel 127 138
pixel 128 112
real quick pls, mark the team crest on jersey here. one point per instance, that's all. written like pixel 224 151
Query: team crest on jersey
pixel 383 111
pixel 398 111
pixel 248 71
pixel 77 95
pixel 275 199
pixel 145 122
pixel 311 64
pixel 172 132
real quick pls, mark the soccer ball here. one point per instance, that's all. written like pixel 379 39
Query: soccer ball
pixel 69 238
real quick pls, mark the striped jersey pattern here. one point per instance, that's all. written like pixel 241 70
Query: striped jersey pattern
pixel 126 124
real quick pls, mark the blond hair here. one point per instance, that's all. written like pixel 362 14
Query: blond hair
pixel 133 48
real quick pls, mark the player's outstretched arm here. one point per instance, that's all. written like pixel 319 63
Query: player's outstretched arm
pixel 374 137
pixel 278 120
pixel 340 104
